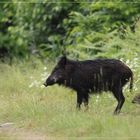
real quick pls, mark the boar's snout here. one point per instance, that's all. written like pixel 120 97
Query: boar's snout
pixel 45 84
pixel 50 81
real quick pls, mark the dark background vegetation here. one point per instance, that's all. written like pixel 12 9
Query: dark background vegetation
pixel 82 29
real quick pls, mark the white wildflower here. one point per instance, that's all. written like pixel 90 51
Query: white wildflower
pixel 31 85
pixel 127 61
pixel 45 68
pixel 45 74
pixel 136 59
pixel 31 77
pixel 109 96
pixel 34 84
pixel 43 78
pixel 97 96
pixel 96 100
pixel 42 86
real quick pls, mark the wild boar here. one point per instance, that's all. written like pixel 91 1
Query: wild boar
pixel 92 76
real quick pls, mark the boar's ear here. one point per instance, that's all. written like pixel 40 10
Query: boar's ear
pixel 63 61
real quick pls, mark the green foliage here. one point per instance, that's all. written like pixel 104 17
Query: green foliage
pixel 47 29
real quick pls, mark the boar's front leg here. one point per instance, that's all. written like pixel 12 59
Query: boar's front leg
pixel 82 97
pixel 79 100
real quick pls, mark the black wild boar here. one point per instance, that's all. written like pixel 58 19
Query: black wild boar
pixel 92 76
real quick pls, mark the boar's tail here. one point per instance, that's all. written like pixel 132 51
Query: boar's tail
pixel 131 82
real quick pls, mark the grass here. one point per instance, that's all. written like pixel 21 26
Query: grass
pixel 51 111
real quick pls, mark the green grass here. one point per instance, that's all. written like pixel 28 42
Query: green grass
pixel 51 110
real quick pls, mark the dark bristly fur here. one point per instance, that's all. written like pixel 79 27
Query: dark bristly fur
pixel 92 76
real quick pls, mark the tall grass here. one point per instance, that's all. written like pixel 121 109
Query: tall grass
pixel 24 101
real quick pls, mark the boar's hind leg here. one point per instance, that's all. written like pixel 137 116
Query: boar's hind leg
pixel 120 98
pixel 85 100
